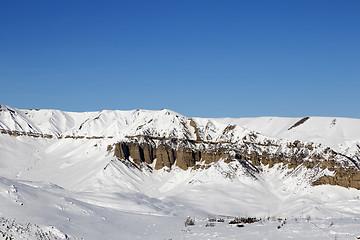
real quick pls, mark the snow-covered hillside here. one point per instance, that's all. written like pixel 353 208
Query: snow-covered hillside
pixel 59 174
pixel 341 134
pixel 338 133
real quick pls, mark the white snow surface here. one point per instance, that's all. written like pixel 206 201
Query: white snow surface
pixel 75 188
pixel 341 134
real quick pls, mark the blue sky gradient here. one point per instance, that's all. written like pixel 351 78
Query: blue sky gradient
pixel 199 58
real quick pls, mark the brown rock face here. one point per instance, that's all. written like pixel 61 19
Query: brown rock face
pixel 349 177
pixel 148 152
pixel 185 158
pixel 166 155
pixel 199 155
pixel 193 124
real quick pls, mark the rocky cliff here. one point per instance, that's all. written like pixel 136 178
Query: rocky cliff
pixel 331 167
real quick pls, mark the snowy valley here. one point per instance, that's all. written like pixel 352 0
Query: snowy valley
pixel 139 174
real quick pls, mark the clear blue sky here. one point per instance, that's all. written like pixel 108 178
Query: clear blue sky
pixel 200 57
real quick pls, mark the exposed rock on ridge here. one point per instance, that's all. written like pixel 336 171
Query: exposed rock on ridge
pixel 200 155
pixel 165 139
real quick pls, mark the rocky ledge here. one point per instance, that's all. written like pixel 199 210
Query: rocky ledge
pixel 331 167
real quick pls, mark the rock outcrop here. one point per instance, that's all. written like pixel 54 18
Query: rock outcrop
pixel 187 154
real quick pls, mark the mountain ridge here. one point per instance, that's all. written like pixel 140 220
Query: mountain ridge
pixel 165 139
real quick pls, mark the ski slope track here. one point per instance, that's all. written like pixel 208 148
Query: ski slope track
pixel 139 174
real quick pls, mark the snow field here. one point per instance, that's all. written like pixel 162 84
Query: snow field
pixel 74 188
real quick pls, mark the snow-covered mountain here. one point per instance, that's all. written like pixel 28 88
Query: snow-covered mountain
pixel 143 166
pixel 340 134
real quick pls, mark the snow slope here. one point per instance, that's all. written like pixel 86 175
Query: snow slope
pixel 74 187
pixel 341 134
pixel 338 133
